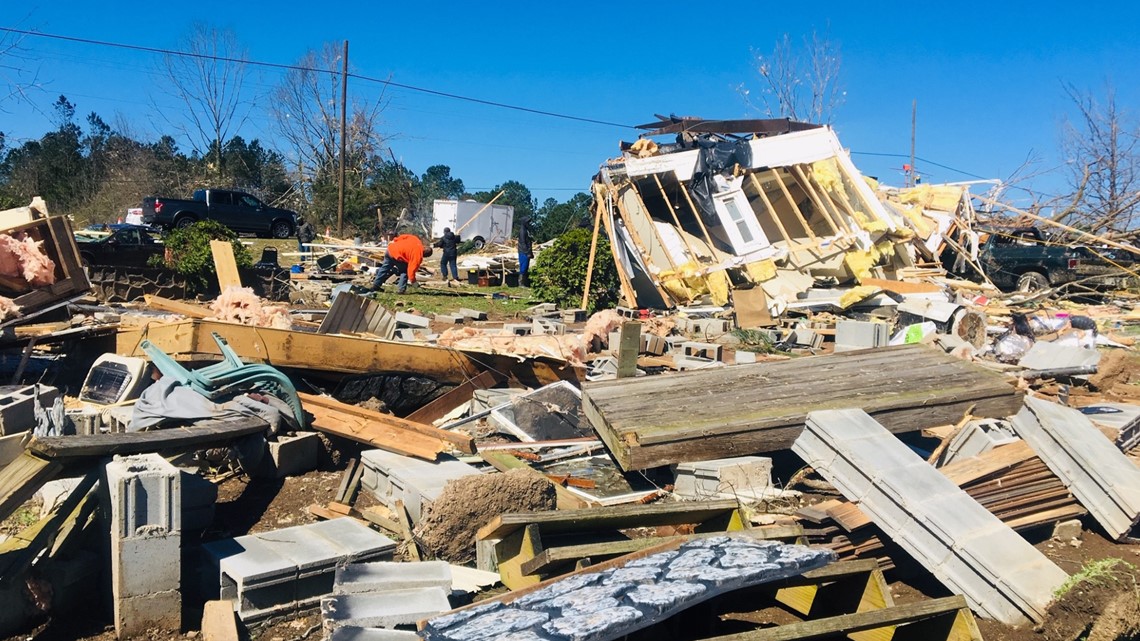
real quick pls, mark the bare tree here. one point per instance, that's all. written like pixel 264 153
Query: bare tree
pixel 207 78
pixel 1100 147
pixel 14 71
pixel 801 84
pixel 306 108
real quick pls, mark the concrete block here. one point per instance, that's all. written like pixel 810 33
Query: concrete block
pixel 383 576
pixel 710 351
pixel 673 343
pixel 472 314
pixel 574 316
pixel 412 320
pixel 748 477
pixel 199 498
pixel 1068 530
pixel 627 313
pixel 272 572
pixel 391 477
pixel 351 633
pixel 138 615
pixel 383 609
pixel 450 319
pixel 291 455
pixel 744 357
pixel 17 406
pixel 406 334
pixel 684 363
pixel 653 344
pixel 518 329
pixel 543 326
pixel 852 335
pixel 146 564
pixel 145 493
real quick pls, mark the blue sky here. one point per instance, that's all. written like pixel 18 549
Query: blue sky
pixel 987 76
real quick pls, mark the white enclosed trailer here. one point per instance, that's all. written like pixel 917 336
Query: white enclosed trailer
pixel 493 225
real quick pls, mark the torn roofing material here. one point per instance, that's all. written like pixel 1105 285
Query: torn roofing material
pixel 715 213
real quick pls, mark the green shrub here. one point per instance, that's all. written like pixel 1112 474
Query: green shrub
pixel 188 251
pixel 559 273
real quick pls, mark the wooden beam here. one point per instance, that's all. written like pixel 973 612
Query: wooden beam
pixel 462 442
pixel 192 436
pixel 771 209
pixel 847 624
pixel 218 622
pixel 593 252
pixel 628 293
pixel 642 248
pixel 191 339
pixel 806 185
pixel 610 517
pixel 795 206
pixel 22 478
pixel 225 264
pixel 439 407
pixel 190 310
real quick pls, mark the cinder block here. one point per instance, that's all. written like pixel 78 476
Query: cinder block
pixel 709 351
pixel 291 455
pixel 146 564
pixel 631 314
pixel 412 320
pixel 673 343
pixel 544 326
pixel 653 344
pixel 473 314
pixel 406 334
pixel 383 576
pixel 137 615
pixel 450 319
pixel 683 363
pixel 145 493
pixel 383 609
pixel 574 316
pixel 391 477
pixel 518 329
pixel 352 633
pixel 17 406
pixel 744 357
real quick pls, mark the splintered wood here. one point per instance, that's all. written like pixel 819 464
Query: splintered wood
pixel 735 411
pixel 382 430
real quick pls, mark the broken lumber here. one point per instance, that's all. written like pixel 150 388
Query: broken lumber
pixel 439 407
pixel 225 264
pixel 189 310
pixel 383 430
pixel 1102 478
pixel 194 435
pixel 965 547
pixel 734 411
pixel 218 622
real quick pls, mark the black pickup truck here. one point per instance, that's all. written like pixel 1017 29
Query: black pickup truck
pixel 241 212
pixel 1024 259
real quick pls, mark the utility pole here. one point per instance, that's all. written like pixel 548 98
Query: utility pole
pixel 343 134
pixel 910 182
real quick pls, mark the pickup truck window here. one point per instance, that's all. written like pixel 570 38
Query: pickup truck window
pixel 221 198
pixel 250 201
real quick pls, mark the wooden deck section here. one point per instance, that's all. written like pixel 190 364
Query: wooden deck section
pixel 748 409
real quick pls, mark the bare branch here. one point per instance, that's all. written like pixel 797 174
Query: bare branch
pixel 800 85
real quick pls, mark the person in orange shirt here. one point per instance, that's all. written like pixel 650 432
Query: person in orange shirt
pixel 404 255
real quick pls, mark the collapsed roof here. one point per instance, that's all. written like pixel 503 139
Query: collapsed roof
pixel 751 212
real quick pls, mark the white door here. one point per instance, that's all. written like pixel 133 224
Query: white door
pixel 739 222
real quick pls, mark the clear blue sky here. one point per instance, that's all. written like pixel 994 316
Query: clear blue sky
pixel 987 77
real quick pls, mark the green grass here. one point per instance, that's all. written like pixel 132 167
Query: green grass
pixel 1100 573
pixel 430 302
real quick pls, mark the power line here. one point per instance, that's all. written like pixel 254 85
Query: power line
pixel 917 158
pixel 275 65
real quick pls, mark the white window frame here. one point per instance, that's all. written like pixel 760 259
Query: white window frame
pixel 747 219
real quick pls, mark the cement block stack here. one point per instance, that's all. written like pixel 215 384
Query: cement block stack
pixel 146 543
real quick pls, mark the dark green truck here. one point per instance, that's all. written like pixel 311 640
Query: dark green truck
pixel 1024 259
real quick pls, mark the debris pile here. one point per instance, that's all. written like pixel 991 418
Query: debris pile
pixel 815 386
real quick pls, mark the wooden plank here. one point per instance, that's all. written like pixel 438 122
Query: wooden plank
pixel 902 286
pixel 218 623
pixel 462 442
pixel 22 478
pixel 327 353
pixel 225 264
pixel 175 438
pixel 610 517
pixel 405 523
pixel 19 551
pixel 720 413
pixel 376 434
pixel 439 407
pixel 848 623
pixel 190 310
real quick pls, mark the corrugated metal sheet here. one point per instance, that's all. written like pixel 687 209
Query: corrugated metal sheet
pixel 353 314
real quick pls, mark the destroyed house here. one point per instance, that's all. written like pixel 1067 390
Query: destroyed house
pixel 767 207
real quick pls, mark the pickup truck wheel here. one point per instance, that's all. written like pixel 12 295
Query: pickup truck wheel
pixel 184 222
pixel 1032 282
pixel 479 243
pixel 281 229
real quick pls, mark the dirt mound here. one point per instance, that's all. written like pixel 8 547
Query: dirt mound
pixel 448 529
pixel 1103 604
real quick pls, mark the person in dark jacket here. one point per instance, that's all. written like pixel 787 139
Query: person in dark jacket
pixel 449 244
pixel 526 251
pixel 305 235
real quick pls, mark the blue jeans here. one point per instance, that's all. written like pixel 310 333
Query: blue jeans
pixel 389 267
pixel 449 262
pixel 524 263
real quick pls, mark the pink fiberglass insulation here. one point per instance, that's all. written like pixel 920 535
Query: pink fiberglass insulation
pixel 241 305
pixel 8 308
pixel 24 258
pixel 568 347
